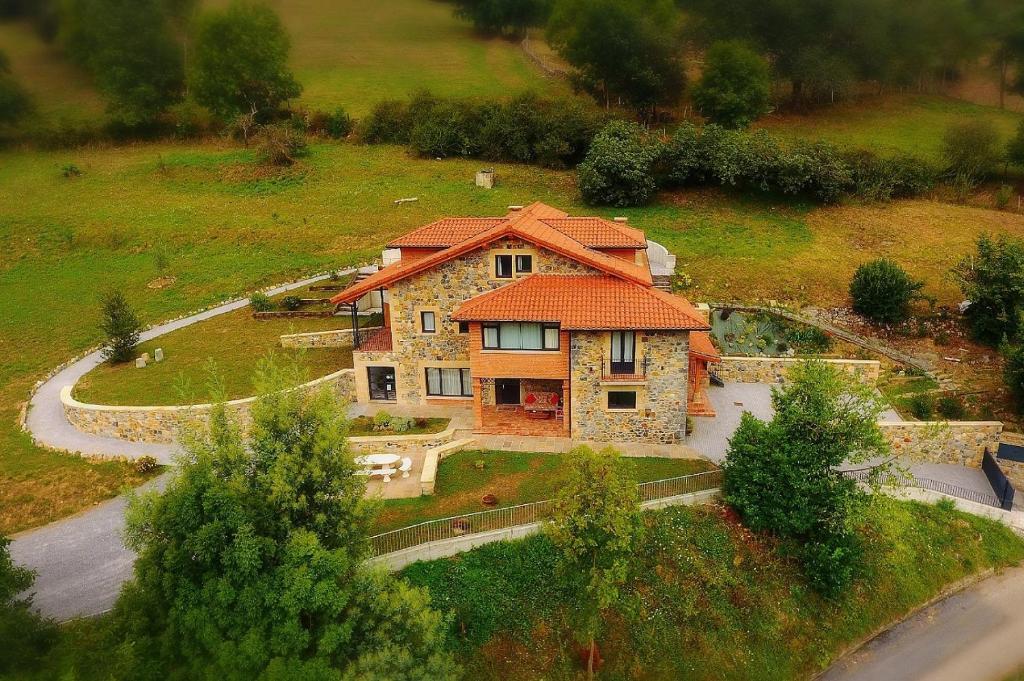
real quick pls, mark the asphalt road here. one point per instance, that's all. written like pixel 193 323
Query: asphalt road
pixel 975 635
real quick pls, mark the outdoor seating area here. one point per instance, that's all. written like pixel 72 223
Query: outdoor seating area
pixel 526 420
pixel 383 466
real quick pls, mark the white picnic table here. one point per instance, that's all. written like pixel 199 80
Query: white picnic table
pixel 370 462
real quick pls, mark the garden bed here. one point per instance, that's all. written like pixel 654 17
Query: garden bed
pixel 512 477
pixel 365 426
pixel 762 334
pixel 228 346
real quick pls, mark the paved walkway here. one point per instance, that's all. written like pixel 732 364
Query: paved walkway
pixel 973 635
pixel 49 427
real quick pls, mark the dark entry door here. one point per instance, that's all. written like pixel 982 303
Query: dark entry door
pixel 506 391
pixel 382 383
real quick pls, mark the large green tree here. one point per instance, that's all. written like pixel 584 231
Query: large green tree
pixel 26 637
pixel 596 526
pixel 628 50
pixel 240 61
pixel 14 99
pixel 252 563
pixel 735 87
pixel 504 16
pixel 992 279
pixel 782 475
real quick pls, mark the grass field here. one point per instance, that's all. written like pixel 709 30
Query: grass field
pixel 228 227
pixel 513 477
pixel 705 599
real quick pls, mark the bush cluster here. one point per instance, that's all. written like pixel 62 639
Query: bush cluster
pixel 261 302
pixel 526 129
pixel 882 291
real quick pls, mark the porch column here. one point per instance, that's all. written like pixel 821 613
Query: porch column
pixel 566 408
pixel 478 403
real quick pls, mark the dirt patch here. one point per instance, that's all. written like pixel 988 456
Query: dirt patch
pixel 161 282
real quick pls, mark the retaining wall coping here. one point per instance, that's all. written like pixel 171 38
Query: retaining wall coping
pixel 794 360
pixel 328 332
pixel 68 401
pixel 951 424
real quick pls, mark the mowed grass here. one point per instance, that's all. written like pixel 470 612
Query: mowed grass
pixel 513 477
pixel 216 355
pixel 912 124
pixel 229 227
pixel 347 53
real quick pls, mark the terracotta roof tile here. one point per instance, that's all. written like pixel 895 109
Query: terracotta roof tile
pixel 524 225
pixel 700 344
pixel 598 232
pixel 444 232
pixel 580 302
pixel 378 341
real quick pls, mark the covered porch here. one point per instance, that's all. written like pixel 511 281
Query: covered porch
pixel 521 406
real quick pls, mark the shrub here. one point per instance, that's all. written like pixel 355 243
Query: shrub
pixel 735 87
pixel 388 123
pixel 280 145
pixel 121 326
pixel 1003 196
pixel 922 406
pixel 951 407
pixel 190 119
pixel 146 464
pixel 1013 373
pixel 993 280
pixel 971 151
pixel 1015 149
pixel 809 339
pixel 291 303
pixel 261 302
pixel 443 129
pixel 882 291
pixel 401 424
pixel 70 170
pixel 617 169
pixel 339 124
pixel 382 420
pixel 875 178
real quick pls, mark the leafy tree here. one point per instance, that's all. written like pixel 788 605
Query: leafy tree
pixel 240 61
pixel 503 16
pixel 121 326
pixel 14 99
pixel 735 87
pixel 882 291
pixel 27 638
pixel 252 562
pixel 971 150
pixel 129 47
pixel 993 281
pixel 626 49
pixel 1015 149
pixel 781 475
pixel 1013 372
pixel 596 524
pixel 617 169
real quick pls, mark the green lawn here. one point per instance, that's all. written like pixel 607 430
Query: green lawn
pixel 910 124
pixel 705 598
pixel 900 390
pixel 513 477
pixel 229 227
pixel 227 347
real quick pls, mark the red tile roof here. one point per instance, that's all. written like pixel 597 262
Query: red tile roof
pixel 591 232
pixel 526 225
pixel 582 301
pixel 700 344
pixel 378 341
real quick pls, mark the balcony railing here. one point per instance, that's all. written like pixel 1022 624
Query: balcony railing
pixel 618 370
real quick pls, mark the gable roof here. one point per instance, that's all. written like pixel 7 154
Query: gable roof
pixel 701 345
pixel 583 302
pixel 525 225
pixel 591 232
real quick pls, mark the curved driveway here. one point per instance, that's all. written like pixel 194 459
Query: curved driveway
pixel 81 562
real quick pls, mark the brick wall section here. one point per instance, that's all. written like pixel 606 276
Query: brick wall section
pixel 957 442
pixel 774 369
pixel 661 414
pixel 165 425
pixel 517 364
pixel 444 288
pixel 336 338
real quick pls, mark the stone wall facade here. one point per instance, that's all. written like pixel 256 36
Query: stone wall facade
pixel 165 425
pixel 775 369
pixel 442 289
pixel 335 338
pixel 399 444
pixel 660 416
pixel 956 442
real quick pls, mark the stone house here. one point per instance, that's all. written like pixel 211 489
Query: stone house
pixel 546 324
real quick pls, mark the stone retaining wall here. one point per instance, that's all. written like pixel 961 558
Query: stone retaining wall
pixel 433 457
pixel 165 425
pixel 399 444
pixel 335 338
pixel 956 442
pixel 775 369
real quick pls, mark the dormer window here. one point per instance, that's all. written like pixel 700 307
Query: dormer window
pixel 503 266
pixel 524 264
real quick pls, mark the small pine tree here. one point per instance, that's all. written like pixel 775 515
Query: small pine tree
pixel 121 326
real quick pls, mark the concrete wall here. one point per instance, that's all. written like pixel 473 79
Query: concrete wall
pixel 433 458
pixel 956 442
pixel 166 424
pixel 336 338
pixel 660 416
pixel 774 369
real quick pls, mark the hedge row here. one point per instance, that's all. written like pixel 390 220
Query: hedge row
pixel 626 166
pixel 526 129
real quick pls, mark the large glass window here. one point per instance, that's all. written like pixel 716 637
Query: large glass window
pixel 622 399
pixel 520 336
pixel 503 266
pixel 449 382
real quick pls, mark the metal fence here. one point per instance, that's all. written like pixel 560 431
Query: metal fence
pixel 523 514
pixel 899 479
pixel 1001 485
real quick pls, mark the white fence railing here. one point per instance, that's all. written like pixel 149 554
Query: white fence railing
pixel 524 514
